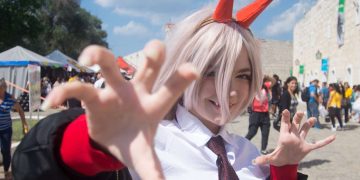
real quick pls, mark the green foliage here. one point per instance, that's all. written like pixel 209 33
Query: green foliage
pixel 17 128
pixel 46 25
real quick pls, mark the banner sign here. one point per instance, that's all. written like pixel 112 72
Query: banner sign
pixel 324 65
pixel 301 69
pixel 341 22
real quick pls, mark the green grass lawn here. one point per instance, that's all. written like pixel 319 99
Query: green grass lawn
pixel 17 128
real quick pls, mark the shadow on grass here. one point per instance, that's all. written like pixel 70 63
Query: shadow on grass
pixel 315 162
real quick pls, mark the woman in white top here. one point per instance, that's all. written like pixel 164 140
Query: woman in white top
pixel 211 72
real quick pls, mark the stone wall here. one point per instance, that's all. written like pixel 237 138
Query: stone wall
pixel 276 57
pixel 317 32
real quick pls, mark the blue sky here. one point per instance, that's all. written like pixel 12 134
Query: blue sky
pixel 130 23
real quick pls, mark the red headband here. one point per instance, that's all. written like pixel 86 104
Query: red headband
pixel 245 16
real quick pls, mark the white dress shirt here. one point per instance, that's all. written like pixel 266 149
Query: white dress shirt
pixel 98 83
pixel 181 147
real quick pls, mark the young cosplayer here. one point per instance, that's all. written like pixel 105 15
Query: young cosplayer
pixel 210 74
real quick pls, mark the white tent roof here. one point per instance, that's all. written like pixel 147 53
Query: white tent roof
pixel 68 61
pixel 19 56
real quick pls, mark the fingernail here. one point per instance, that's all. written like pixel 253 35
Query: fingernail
pixel 253 161
pixel 151 53
pixel 189 66
pixel 45 105
pixel 84 60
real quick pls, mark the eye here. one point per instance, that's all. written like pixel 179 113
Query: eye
pixel 210 74
pixel 244 76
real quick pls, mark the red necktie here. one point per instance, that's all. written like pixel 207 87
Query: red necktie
pixel 226 171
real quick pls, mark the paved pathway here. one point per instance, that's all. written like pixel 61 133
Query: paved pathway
pixel 339 160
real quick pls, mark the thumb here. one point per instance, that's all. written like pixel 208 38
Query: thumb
pixel 261 160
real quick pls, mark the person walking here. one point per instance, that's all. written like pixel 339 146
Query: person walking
pixel 314 101
pixel 7 103
pixel 288 100
pixel 275 95
pixel 334 105
pixel 259 116
pixel 347 102
pixel 325 94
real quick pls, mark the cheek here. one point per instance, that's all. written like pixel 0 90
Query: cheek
pixel 207 87
pixel 243 90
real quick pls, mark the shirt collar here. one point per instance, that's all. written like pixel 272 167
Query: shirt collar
pixel 196 131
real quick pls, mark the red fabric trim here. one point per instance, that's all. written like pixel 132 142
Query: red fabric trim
pixel 287 172
pixel 78 154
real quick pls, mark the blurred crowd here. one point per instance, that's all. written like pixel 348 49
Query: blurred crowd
pixel 336 101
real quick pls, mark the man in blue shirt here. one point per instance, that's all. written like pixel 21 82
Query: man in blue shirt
pixel 324 93
pixel 313 104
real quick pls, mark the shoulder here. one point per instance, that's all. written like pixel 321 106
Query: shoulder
pixel 166 131
pixel 9 96
pixel 286 94
pixel 244 145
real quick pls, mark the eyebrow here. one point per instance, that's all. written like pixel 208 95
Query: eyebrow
pixel 243 70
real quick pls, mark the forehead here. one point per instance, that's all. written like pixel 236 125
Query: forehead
pixel 243 62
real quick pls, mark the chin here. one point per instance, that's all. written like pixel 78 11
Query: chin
pixel 219 121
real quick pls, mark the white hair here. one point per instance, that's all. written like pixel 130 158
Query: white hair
pixel 209 46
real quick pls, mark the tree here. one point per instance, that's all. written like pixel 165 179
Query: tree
pixel 19 23
pixel 51 25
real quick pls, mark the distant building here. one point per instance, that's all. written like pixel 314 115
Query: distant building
pixel 317 51
pixel 276 57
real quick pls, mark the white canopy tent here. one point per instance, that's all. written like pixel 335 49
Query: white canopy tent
pixel 14 65
pixel 68 61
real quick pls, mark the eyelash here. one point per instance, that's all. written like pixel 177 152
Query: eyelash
pixel 244 76
pixel 210 74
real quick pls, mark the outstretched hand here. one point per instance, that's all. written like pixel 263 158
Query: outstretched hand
pixel 124 116
pixel 292 146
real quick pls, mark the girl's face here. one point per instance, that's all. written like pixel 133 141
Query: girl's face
pixel 208 109
pixel 292 85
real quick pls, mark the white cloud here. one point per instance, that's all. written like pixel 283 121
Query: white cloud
pixel 274 3
pixel 154 18
pixel 132 28
pixel 286 21
pixel 106 3
pixel 105 25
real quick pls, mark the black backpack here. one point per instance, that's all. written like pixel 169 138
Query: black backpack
pixel 305 94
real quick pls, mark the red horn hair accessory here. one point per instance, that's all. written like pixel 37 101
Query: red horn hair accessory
pixel 223 11
pixel 245 17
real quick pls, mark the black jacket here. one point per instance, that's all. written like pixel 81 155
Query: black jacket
pixel 285 101
pixel 37 157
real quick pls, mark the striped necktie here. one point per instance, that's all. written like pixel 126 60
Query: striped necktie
pixel 225 170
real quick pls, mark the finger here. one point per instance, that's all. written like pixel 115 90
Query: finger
pixel 285 122
pixel 105 59
pixel 306 127
pixel 154 53
pixel 168 94
pixel 297 120
pixel 262 160
pixel 321 143
pixel 78 90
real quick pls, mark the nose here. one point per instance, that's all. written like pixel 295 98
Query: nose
pixel 233 97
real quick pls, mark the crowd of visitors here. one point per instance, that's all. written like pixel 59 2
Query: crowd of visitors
pixel 334 101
